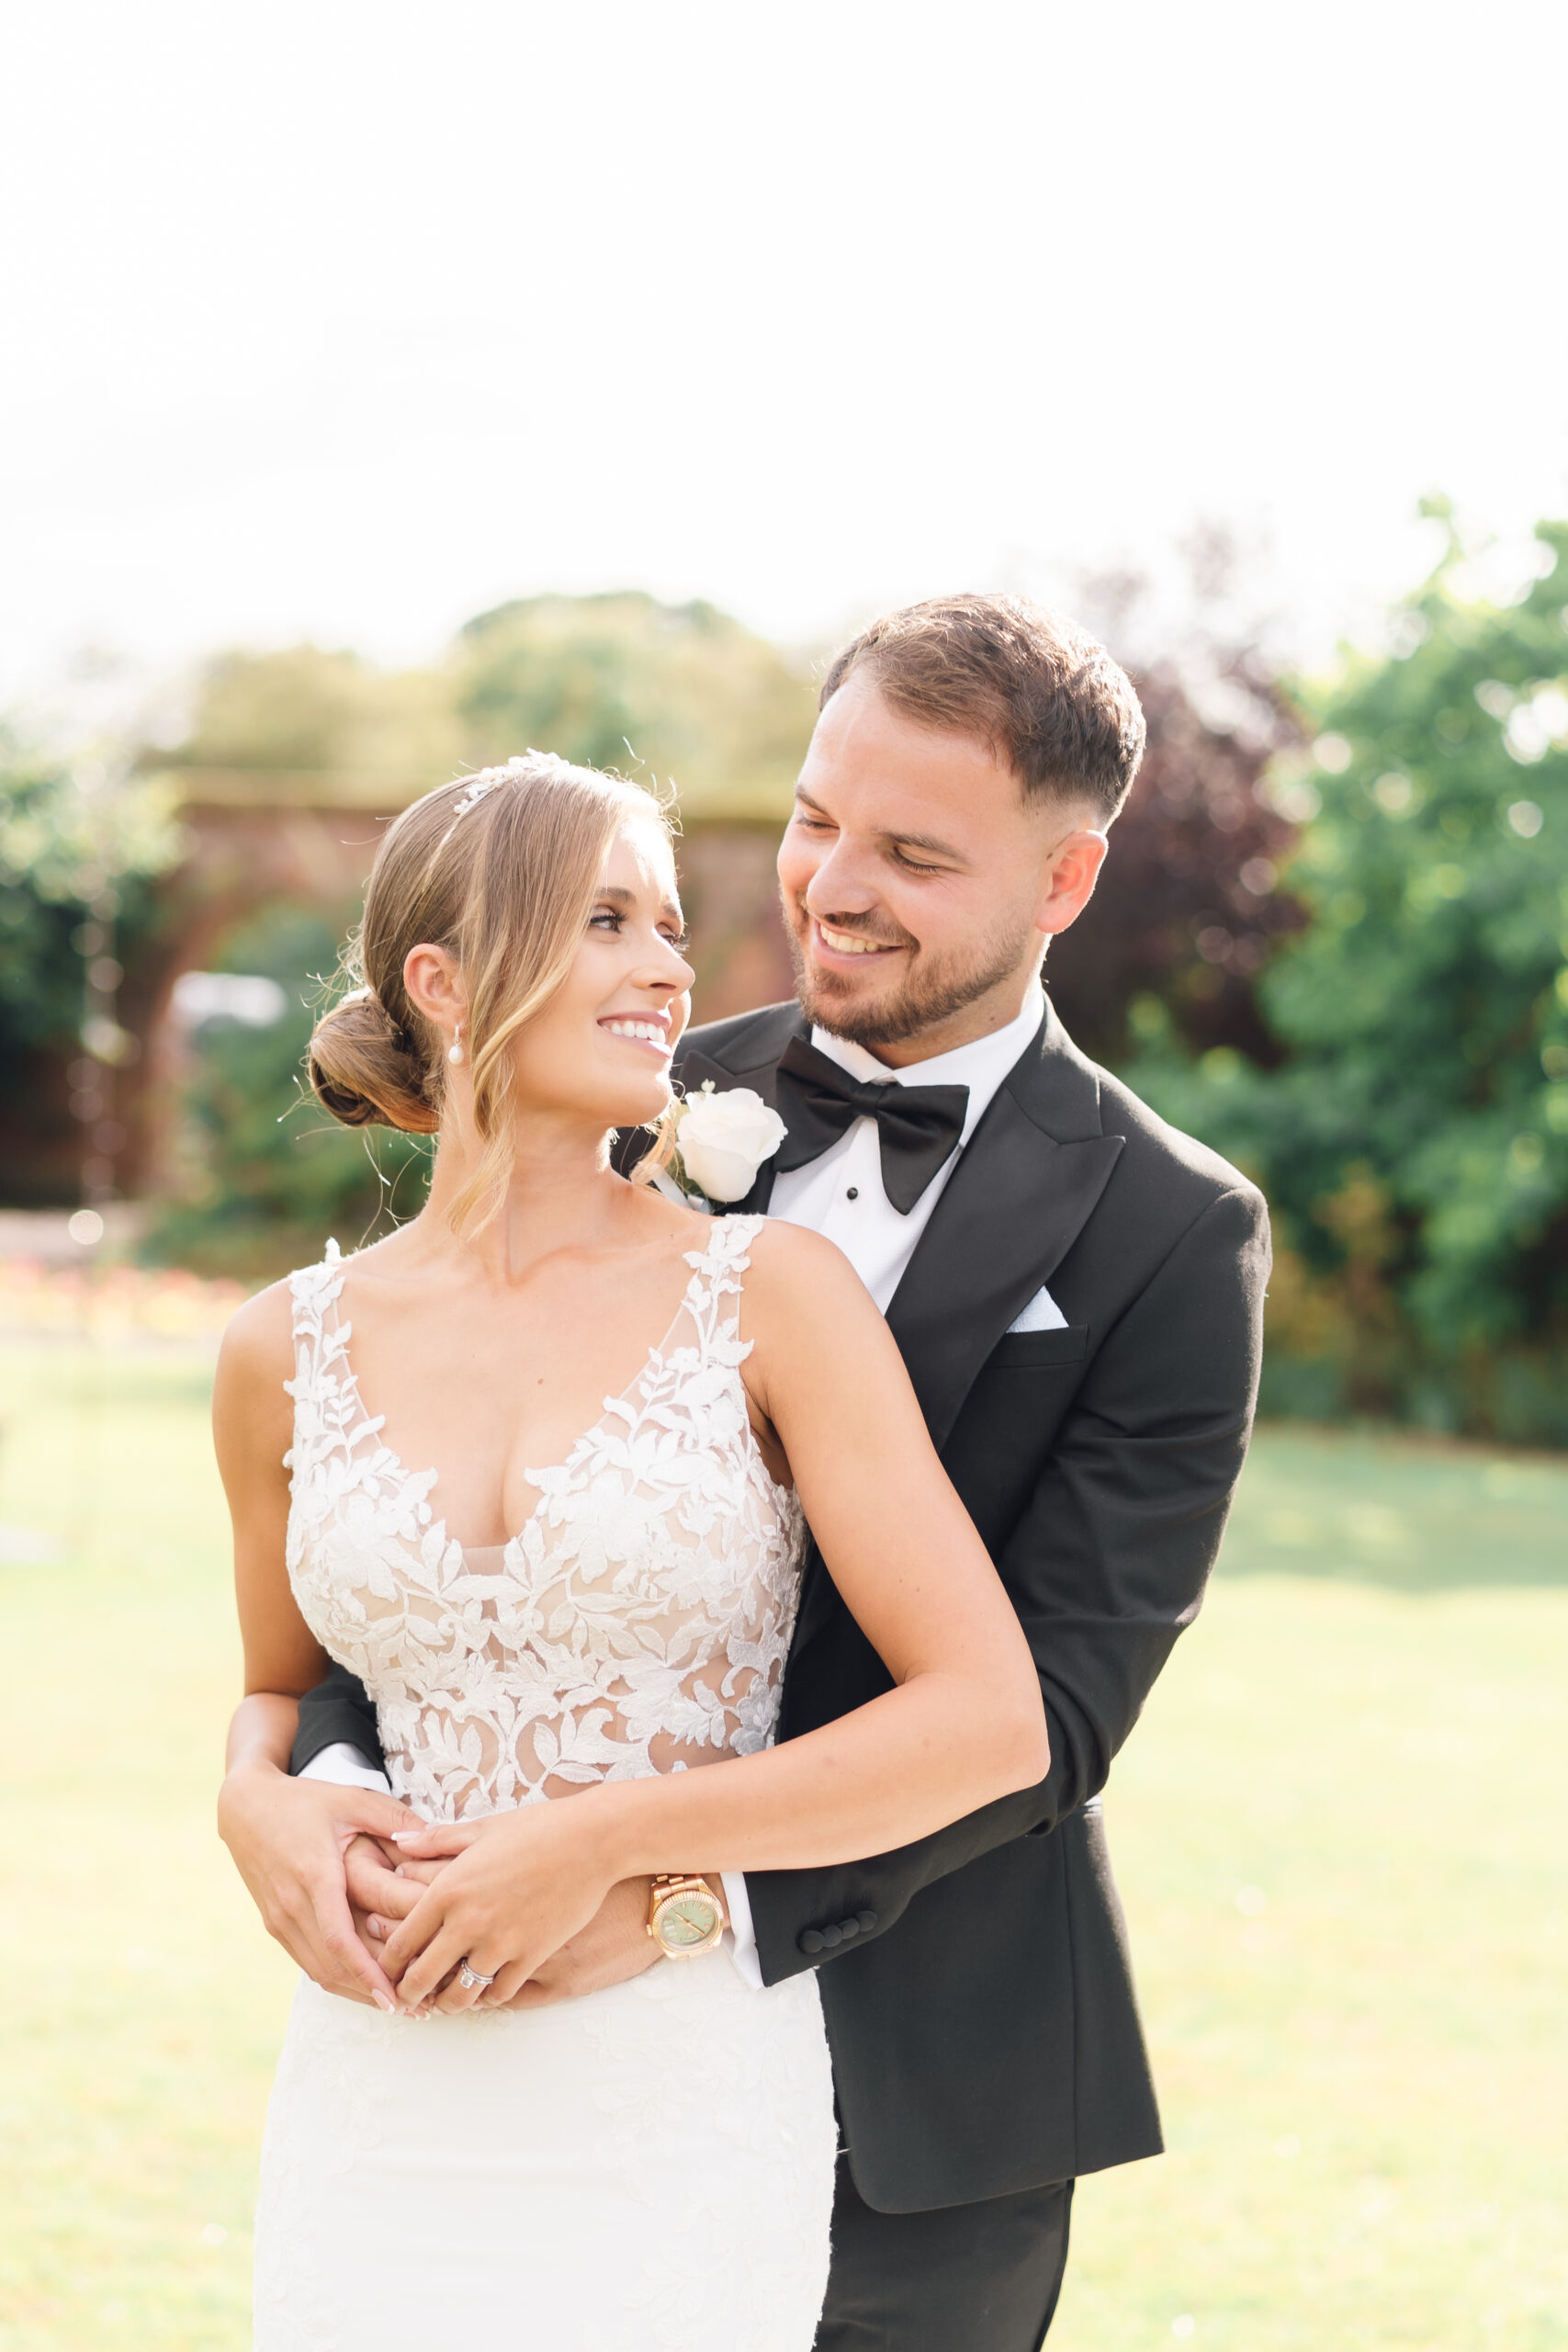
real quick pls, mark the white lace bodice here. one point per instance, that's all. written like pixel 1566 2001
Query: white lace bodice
pixel 638 1622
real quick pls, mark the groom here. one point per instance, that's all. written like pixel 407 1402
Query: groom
pixel 1077 1290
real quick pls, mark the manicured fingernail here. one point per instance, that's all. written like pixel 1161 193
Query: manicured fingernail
pixel 406 1836
pixel 385 2001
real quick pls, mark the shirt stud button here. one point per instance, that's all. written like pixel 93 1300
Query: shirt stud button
pixel 853 1192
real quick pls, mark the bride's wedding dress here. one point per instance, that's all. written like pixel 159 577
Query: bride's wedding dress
pixel 653 2165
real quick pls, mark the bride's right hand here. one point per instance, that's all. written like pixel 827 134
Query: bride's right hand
pixel 614 1946
pixel 288 1838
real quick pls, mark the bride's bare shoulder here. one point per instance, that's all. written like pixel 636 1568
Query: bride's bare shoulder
pixel 258 1345
pixel 801 1278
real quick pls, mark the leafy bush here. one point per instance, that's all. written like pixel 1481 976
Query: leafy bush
pixel 1415 1140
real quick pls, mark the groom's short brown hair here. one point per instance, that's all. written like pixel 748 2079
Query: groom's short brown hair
pixel 1044 695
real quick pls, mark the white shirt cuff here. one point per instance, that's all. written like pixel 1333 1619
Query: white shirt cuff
pixel 348 1766
pixel 741 1939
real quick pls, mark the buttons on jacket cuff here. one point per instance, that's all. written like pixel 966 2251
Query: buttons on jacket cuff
pixel 811 1940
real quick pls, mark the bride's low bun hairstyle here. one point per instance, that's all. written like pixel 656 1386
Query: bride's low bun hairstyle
pixel 367 1071
pixel 499 869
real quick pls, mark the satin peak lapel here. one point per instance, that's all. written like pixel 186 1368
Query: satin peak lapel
pixel 1016 1202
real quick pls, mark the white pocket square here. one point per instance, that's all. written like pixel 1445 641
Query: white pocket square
pixel 1042 1313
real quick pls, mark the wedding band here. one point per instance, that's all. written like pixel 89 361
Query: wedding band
pixel 470 1980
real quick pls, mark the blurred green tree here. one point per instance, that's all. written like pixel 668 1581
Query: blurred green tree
pixel 40 973
pixel 1415 1139
pixel 313 715
pixel 78 840
pixel 264 1173
pixel 674 694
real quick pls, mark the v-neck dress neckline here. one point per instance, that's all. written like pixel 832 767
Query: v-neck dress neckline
pixel 637 1621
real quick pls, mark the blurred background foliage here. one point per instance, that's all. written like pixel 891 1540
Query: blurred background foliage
pixel 663 692
pixel 1411 1125
pixel 82 843
pixel 675 695
pixel 262 1174
pixel 71 833
pixel 1332 939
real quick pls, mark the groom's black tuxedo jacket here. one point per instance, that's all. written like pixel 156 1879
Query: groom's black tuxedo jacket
pixel 983 2027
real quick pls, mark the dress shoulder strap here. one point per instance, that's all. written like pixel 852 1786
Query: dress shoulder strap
pixel 713 1294
pixel 315 1290
pixel 729 1244
pixel 321 1347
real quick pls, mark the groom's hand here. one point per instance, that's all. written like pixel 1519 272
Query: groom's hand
pixel 382 1889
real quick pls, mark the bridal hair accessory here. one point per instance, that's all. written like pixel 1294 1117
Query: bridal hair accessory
pixel 721 1140
pixel 485 782
pixel 455 1050
pixel 470 1980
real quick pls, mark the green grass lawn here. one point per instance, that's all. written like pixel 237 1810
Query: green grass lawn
pixel 1339 1831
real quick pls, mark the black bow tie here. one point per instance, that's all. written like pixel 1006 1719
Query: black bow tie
pixel 917 1126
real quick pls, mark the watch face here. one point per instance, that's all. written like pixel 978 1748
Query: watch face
pixel 687 1919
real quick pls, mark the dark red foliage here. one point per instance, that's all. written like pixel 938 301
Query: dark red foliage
pixel 1188 908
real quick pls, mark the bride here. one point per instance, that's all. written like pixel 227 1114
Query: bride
pixel 535 1467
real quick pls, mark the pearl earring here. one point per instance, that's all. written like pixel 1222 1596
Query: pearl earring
pixel 455 1050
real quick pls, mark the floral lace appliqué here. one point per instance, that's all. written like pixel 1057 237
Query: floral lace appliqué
pixel 638 1622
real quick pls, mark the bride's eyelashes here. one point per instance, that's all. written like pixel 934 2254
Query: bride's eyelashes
pixel 612 920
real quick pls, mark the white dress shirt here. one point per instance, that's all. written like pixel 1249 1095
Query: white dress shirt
pixel 840 1194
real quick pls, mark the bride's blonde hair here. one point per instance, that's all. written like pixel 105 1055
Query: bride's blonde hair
pixel 499 869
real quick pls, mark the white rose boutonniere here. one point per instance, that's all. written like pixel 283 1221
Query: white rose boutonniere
pixel 723 1139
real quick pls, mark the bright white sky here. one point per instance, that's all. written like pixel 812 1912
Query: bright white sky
pixel 341 319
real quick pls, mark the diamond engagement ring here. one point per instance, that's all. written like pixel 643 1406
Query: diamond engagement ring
pixel 470 1980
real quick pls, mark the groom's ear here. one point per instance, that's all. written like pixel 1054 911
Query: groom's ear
pixel 1066 884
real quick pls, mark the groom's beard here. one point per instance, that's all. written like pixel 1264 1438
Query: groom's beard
pixel 931 990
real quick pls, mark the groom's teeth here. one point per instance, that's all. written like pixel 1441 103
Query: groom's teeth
pixel 844 942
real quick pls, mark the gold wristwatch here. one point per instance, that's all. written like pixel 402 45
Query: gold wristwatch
pixel 684 1916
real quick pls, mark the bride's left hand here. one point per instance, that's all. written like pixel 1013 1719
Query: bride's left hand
pixel 521 1885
